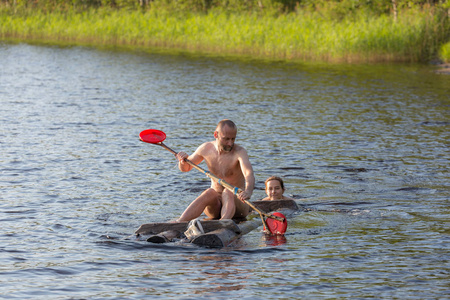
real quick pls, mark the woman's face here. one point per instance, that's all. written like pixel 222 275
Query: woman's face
pixel 274 190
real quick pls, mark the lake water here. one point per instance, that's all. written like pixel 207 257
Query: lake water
pixel 364 148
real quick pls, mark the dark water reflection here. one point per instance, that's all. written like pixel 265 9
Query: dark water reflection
pixel 364 147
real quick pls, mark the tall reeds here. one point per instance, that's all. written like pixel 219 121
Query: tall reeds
pixel 415 36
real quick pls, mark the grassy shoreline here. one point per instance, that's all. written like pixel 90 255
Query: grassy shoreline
pixel 417 35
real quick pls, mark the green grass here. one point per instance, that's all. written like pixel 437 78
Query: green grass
pixel 416 36
pixel 444 53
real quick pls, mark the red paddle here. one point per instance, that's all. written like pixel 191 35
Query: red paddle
pixel 276 224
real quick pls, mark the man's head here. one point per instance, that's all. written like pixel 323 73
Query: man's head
pixel 225 135
pixel 274 188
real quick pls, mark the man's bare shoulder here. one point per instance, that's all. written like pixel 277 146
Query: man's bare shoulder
pixel 239 150
pixel 205 148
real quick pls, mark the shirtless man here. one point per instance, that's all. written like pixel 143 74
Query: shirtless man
pixel 229 162
pixel 275 189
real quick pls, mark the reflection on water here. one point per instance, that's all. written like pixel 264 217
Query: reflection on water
pixel 275 240
pixel 363 148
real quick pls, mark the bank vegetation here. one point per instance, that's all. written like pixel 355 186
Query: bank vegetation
pixel 320 30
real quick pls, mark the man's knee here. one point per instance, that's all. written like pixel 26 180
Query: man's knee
pixel 227 193
pixel 210 193
pixel 210 198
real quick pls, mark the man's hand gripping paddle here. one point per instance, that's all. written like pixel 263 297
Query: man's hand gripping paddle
pixel 275 224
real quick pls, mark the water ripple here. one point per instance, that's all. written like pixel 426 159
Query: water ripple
pixel 364 149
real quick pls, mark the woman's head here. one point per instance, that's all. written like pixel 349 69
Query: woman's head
pixel 274 188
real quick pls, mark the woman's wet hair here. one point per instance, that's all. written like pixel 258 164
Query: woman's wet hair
pixel 275 178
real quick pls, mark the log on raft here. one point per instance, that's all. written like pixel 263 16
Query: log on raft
pixel 208 225
pixel 274 205
pixel 223 237
pixel 164 237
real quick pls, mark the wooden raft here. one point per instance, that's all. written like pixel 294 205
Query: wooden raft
pixel 218 233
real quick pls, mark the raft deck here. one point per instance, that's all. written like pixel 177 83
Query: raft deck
pixel 218 233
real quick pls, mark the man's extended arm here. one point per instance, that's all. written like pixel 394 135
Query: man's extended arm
pixel 247 171
pixel 195 157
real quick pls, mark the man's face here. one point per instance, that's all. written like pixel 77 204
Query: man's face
pixel 274 190
pixel 225 138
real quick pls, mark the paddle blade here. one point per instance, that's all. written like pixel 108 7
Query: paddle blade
pixel 152 136
pixel 277 227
